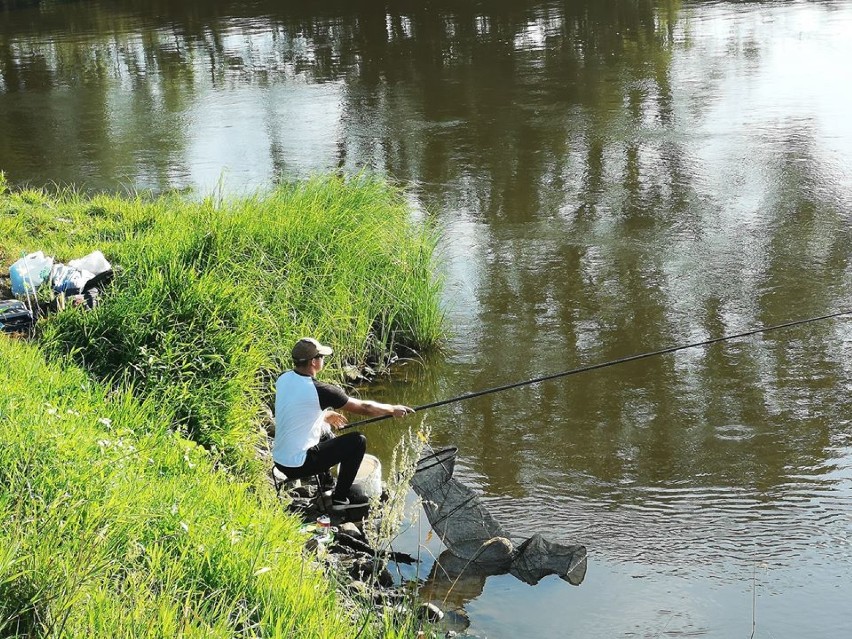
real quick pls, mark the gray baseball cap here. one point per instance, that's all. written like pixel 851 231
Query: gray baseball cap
pixel 308 348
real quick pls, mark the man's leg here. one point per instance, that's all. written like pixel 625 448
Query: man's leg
pixel 347 450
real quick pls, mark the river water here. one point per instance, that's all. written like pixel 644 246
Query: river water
pixel 610 178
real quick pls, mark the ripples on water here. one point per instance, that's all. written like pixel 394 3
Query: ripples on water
pixel 682 528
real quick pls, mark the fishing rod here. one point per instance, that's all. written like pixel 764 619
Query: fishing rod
pixel 613 362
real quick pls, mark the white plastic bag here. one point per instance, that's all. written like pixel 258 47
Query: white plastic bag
pixel 67 279
pixel 95 263
pixel 28 273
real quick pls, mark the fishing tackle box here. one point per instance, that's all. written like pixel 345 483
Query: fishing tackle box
pixel 14 316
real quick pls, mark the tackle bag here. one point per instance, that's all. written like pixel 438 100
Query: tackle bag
pixel 14 317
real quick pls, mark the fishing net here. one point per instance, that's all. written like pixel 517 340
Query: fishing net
pixel 471 534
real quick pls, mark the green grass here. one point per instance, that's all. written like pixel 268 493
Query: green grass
pixel 209 297
pixel 115 526
pixel 132 501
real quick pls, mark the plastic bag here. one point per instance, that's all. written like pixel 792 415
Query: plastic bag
pixel 29 272
pixel 95 263
pixel 68 280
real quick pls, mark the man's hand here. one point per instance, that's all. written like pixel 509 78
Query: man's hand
pixel 401 411
pixel 334 419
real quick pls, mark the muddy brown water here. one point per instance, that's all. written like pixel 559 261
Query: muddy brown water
pixel 611 178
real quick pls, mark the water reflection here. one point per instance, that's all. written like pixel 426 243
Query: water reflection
pixel 612 178
pixel 407 68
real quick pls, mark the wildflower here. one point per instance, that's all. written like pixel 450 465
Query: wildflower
pixel 106 421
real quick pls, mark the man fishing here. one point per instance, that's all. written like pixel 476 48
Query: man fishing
pixel 305 415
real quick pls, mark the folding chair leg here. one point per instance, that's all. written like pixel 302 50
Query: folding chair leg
pixel 320 500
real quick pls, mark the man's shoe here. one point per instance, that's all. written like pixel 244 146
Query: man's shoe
pixel 354 501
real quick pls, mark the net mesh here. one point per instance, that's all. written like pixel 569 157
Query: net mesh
pixel 469 531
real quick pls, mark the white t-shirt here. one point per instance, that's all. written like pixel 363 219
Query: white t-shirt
pixel 299 404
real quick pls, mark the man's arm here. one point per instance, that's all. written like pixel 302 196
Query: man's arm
pixel 376 409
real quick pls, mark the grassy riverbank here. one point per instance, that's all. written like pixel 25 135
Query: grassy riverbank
pixel 130 488
pixel 115 526
pixel 210 296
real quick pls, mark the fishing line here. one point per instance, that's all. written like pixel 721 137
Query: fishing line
pixel 613 362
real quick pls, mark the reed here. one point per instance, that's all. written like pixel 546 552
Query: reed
pixel 383 531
